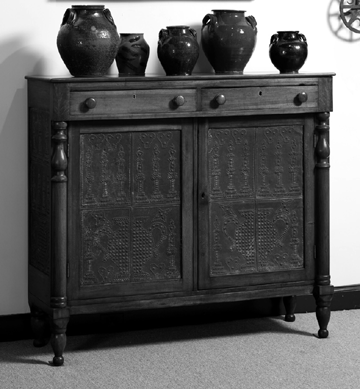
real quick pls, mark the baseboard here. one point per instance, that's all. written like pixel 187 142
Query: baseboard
pixel 17 327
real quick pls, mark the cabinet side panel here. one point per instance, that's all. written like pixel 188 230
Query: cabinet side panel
pixel 39 94
pixel 39 190
pixel 325 94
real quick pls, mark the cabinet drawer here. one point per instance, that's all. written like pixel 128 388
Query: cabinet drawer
pixel 259 98
pixel 100 103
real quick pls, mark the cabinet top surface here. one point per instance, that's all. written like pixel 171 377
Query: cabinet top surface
pixel 194 77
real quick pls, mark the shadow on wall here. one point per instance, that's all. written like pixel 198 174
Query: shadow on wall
pixel 18 61
pixel 202 65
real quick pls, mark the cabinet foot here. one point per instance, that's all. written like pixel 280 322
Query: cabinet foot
pixel 323 318
pixel 40 327
pixel 58 339
pixel 323 296
pixel 290 305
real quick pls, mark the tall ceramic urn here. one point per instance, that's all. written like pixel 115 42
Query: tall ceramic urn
pixel 228 39
pixel 88 40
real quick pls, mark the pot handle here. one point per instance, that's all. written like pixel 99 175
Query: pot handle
pixel 193 32
pixel 274 38
pixel 108 16
pixel 302 37
pixel 69 17
pixel 252 21
pixel 163 34
pixel 209 18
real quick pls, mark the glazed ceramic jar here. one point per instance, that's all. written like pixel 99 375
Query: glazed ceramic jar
pixel 228 39
pixel 178 50
pixel 88 40
pixel 133 54
pixel 288 51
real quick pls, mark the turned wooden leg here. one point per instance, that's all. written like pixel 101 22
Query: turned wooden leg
pixel 323 290
pixel 323 296
pixel 290 305
pixel 58 298
pixel 58 336
pixel 40 327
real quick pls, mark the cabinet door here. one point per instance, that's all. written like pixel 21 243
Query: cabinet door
pixel 130 208
pixel 256 201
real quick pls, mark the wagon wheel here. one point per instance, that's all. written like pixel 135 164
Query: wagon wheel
pixel 336 24
pixel 350 14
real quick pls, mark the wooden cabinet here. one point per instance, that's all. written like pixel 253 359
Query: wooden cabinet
pixel 150 192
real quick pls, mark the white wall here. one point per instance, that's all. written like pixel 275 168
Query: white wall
pixel 28 47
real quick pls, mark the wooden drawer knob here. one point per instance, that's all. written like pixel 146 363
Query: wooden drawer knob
pixel 90 103
pixel 302 97
pixel 179 100
pixel 220 99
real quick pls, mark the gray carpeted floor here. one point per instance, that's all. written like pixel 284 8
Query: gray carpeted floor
pixel 244 354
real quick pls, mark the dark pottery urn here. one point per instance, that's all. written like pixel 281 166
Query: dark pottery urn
pixel 133 54
pixel 88 40
pixel 178 50
pixel 288 51
pixel 228 39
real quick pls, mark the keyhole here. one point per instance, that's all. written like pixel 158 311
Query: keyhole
pixel 134 96
pixel 260 93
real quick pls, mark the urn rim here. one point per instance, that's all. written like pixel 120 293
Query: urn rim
pixel 131 33
pixel 88 6
pixel 177 26
pixel 228 10
pixel 288 32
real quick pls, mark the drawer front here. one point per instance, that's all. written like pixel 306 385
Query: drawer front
pixel 259 98
pixel 99 103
